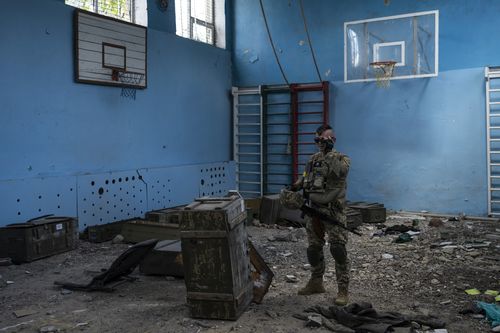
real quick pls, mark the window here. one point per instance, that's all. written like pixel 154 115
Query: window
pixel 134 11
pixel 201 20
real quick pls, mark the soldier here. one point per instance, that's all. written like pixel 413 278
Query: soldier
pixel 324 185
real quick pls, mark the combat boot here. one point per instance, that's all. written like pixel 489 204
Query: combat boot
pixel 314 286
pixel 342 297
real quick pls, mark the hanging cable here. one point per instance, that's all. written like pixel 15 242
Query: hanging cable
pixel 272 44
pixel 309 39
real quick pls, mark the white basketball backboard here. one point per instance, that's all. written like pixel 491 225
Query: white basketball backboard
pixel 411 40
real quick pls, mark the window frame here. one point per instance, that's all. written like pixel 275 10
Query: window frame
pixel 187 22
pixel 193 20
pixel 95 9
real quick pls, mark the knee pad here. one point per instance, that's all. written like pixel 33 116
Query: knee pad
pixel 339 253
pixel 315 255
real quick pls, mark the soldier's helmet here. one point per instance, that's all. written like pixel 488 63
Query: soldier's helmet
pixel 290 199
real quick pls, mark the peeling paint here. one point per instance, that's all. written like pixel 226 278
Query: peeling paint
pixel 328 72
pixel 301 42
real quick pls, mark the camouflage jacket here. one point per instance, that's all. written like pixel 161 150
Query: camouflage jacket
pixel 324 179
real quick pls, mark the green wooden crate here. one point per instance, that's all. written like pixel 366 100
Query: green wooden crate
pixel 215 255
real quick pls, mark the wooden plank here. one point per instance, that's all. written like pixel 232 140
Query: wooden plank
pixel 100 32
pixel 97 47
pixel 112 25
pixel 97 77
pixel 87 37
pixel 263 275
pixel 113 50
pixel 86 66
pixel 95 57
pixel 98 64
pixel 89 67
pixel 89 76
pixel 112 60
pixel 210 296
pixel 204 234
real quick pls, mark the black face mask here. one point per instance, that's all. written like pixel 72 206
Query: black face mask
pixel 324 144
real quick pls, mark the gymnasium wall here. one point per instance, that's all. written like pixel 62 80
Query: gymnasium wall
pixel 418 145
pixel 63 141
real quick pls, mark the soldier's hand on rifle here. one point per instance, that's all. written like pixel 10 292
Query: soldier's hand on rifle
pixel 297 186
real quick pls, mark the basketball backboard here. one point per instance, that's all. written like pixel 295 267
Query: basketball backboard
pixel 106 48
pixel 410 40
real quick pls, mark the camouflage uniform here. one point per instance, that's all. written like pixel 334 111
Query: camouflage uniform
pixel 324 184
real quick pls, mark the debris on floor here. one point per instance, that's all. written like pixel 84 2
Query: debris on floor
pixel 5 261
pixel 262 275
pixel 363 317
pixel 117 272
pixel 492 312
pixel 428 275
pixel 24 312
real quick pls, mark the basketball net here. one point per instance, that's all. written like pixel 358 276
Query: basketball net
pixel 383 72
pixel 131 79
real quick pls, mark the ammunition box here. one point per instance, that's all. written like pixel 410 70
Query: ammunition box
pixel 215 256
pixel 38 238
pixel 164 259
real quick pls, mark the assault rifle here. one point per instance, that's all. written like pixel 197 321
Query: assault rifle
pixel 307 210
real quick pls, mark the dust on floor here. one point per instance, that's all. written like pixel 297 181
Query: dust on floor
pixel 421 276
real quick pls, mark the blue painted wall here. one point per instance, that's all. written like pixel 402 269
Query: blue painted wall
pixel 421 143
pixel 51 126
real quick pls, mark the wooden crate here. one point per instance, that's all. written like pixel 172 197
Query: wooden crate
pixel 253 209
pixel 215 255
pixel 370 212
pixel 168 215
pixel 270 209
pixel 354 218
pixel 38 238
pixel 164 259
pixel 138 230
pixel 102 233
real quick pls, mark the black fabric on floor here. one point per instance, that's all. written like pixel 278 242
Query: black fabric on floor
pixel 400 228
pixel 362 317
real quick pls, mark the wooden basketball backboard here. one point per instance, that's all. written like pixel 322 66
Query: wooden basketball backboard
pixel 105 47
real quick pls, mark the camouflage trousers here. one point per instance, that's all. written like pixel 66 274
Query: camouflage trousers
pixel 316 230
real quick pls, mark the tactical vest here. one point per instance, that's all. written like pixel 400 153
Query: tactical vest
pixel 324 179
